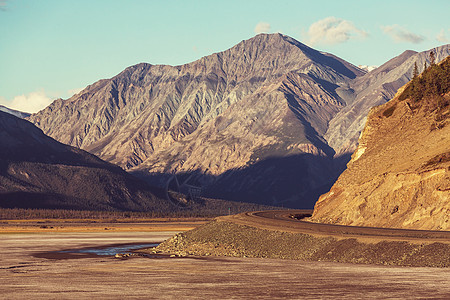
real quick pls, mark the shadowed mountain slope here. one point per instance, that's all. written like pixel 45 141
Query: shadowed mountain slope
pixel 38 172
pixel 16 113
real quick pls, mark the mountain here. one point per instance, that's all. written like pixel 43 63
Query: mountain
pixel 260 122
pixel 16 113
pixel 399 176
pixel 372 89
pixel 367 68
pixel 38 172
pixel 262 105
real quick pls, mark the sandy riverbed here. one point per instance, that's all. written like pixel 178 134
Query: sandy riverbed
pixel 97 225
pixel 26 274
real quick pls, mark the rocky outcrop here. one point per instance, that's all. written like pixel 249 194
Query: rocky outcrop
pixel 399 176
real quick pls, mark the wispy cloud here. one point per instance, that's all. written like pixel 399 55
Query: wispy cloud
pixel 332 30
pixel 3 5
pixel 31 103
pixel 262 27
pixel 400 34
pixel 442 37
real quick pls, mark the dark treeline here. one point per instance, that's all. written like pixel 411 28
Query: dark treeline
pixel 433 82
pixel 216 208
pixel 27 214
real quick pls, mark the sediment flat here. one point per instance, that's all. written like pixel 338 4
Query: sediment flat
pixel 99 225
pixel 26 274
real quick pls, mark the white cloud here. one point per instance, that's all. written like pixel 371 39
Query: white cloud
pixel 262 27
pixel 333 30
pixel 31 103
pixel 400 34
pixel 442 37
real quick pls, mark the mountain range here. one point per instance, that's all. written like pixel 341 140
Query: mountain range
pixel 269 120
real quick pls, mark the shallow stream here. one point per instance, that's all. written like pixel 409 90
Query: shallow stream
pixel 91 252
pixel 111 250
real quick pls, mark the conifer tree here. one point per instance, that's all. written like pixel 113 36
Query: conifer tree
pixel 415 71
pixel 432 58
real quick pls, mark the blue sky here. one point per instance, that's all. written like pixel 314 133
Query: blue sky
pixel 54 48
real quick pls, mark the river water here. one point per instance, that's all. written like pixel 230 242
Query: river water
pixel 110 250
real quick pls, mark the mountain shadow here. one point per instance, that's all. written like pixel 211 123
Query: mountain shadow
pixel 294 181
pixel 38 172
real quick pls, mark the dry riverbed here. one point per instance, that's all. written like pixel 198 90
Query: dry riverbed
pixel 99 225
pixel 29 268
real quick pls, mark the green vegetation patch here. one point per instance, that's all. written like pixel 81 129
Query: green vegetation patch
pixel 434 81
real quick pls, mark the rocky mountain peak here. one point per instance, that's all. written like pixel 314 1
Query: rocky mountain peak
pixel 372 89
pixel 268 96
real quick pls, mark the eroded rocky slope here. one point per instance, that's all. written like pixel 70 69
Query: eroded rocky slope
pixel 399 176
pixel 219 118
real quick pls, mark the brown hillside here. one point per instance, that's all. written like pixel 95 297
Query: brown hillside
pixel 399 176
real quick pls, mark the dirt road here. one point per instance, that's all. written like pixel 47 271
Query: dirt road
pixel 282 220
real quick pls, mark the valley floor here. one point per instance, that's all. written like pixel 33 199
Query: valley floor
pixel 99 225
pixel 27 271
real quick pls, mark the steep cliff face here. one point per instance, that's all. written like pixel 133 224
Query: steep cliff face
pixel 38 172
pixel 267 97
pixel 399 176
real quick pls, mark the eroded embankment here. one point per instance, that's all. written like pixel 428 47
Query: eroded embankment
pixel 221 238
